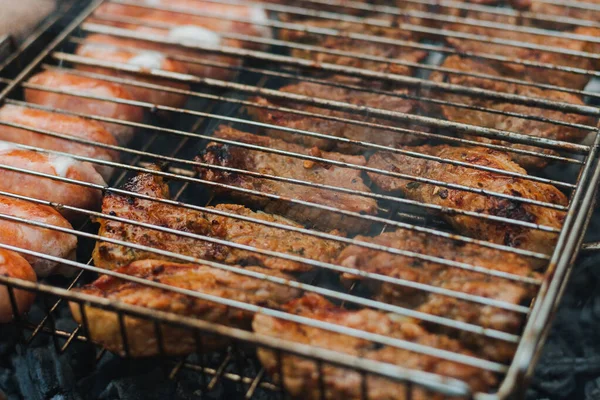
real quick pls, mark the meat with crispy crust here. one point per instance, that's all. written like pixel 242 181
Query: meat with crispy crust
pixel 559 10
pixel 336 128
pixel 503 122
pixel 510 235
pixel 111 256
pixel 448 277
pixel 342 43
pixel 301 376
pixel 290 167
pixel 104 325
pixel 535 74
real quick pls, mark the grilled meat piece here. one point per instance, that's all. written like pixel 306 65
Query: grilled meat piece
pixel 498 121
pixel 559 10
pixel 141 337
pixel 268 238
pixel 111 256
pixel 550 76
pixel 448 277
pixel 510 235
pixel 335 128
pixel 290 167
pixel 358 48
pixel 301 376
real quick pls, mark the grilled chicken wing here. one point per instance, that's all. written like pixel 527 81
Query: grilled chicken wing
pixel 335 128
pixel 503 122
pixel 45 188
pixel 66 125
pixel 111 256
pixel 511 235
pixel 110 48
pixel 34 238
pixel 290 167
pixel 301 376
pixel 14 266
pixel 454 278
pixel 535 74
pixel 141 337
pixel 358 49
pixel 80 85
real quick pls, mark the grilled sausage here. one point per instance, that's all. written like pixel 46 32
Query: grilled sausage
pixel 45 188
pixel 14 266
pixel 87 86
pixel 76 127
pixel 110 48
pixel 34 238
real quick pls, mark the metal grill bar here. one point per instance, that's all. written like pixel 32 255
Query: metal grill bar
pixel 334 68
pixel 290 257
pixel 187 176
pixel 132 82
pixel 259 221
pixel 119 67
pixel 449 386
pixel 266 72
pixel 303 156
pixel 379 23
pixel 465 6
pixel 344 330
pixel 260 40
pixel 492 57
pixel 350 121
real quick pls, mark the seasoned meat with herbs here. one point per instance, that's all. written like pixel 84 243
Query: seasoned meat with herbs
pixel 111 256
pixel 336 128
pixel 448 277
pixel 234 156
pixel 301 376
pixel 497 232
pixel 104 325
pixel 518 70
pixel 357 49
pixel 503 122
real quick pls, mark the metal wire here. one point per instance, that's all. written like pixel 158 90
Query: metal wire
pixel 572 228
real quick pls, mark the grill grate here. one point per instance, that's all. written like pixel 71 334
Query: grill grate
pixel 220 101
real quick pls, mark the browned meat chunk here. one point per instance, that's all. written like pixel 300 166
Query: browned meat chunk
pixel 111 256
pixel 301 377
pixel 336 128
pixel 454 278
pixel 497 232
pixel 550 76
pixel 358 48
pixel 141 337
pixel 290 167
pixel 503 122
pixel 546 9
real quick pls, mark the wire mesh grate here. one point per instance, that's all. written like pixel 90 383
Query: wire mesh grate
pixel 252 68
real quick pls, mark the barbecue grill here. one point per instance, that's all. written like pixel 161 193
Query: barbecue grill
pixel 174 141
